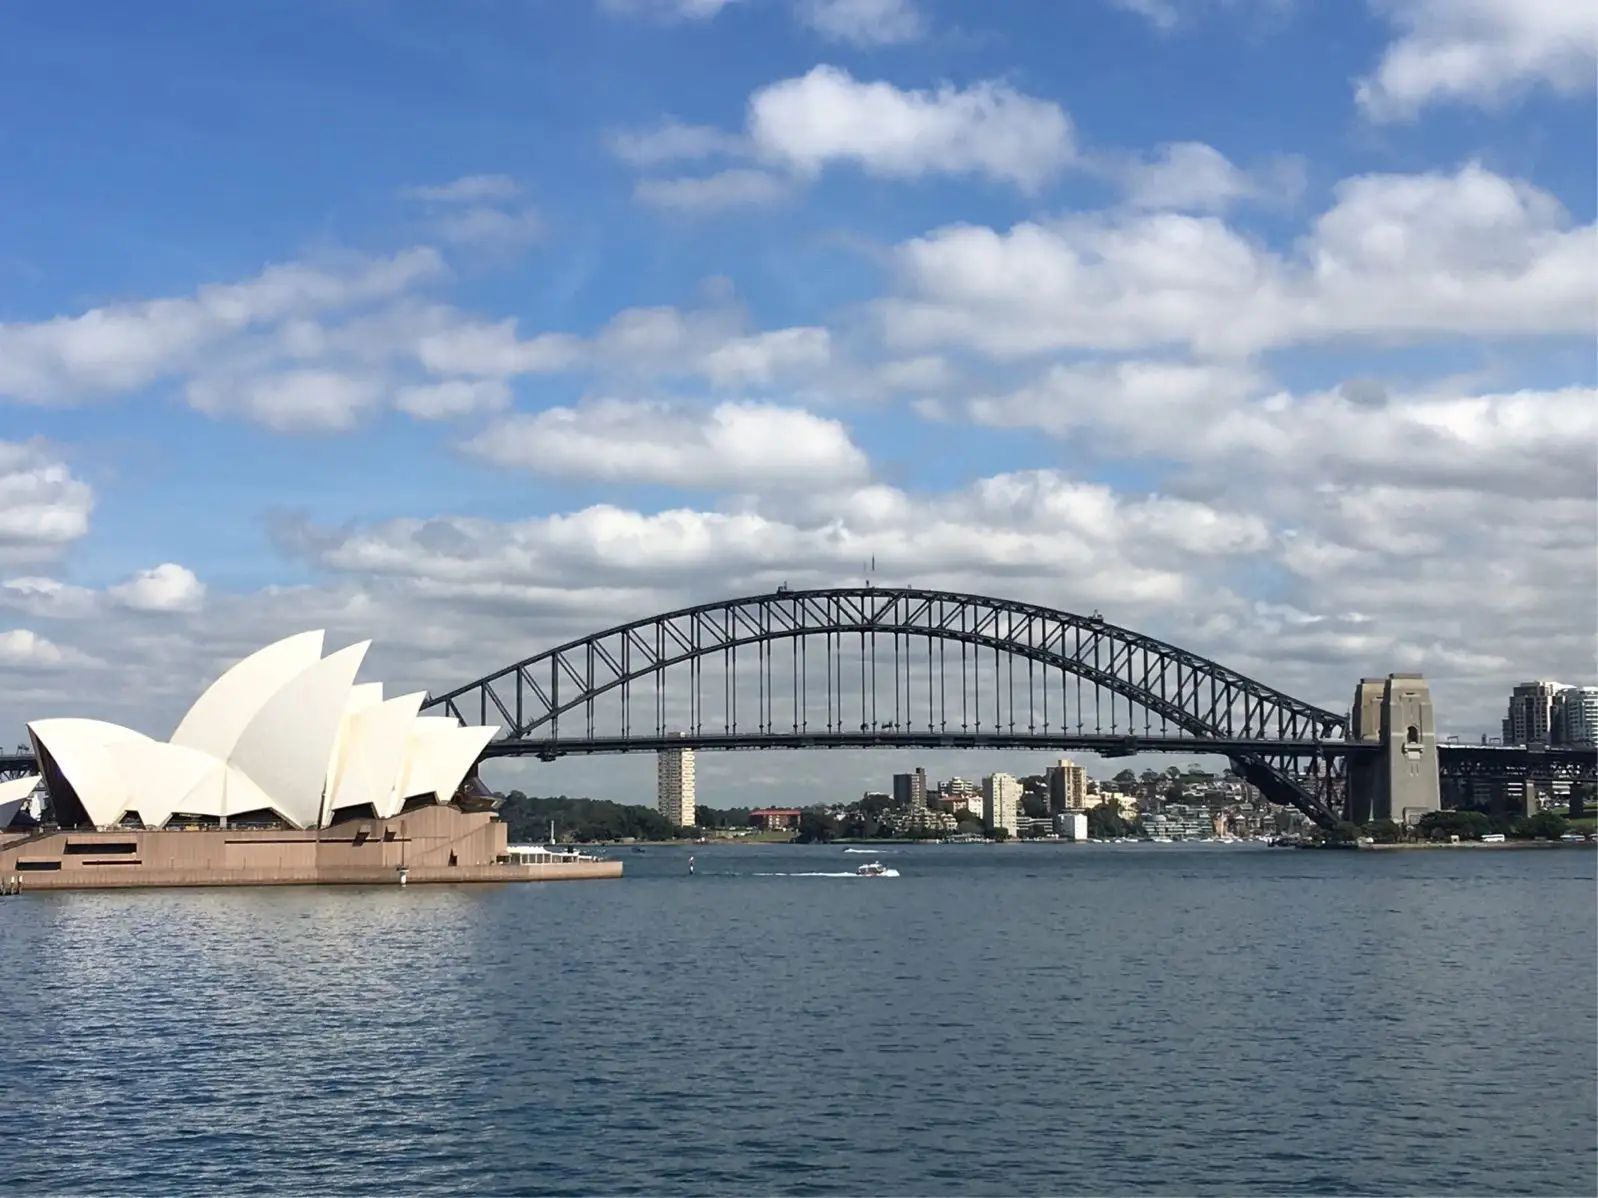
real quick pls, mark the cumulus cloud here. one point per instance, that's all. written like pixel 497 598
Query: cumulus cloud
pixel 452 399
pixel 477 211
pixel 1481 52
pixel 1397 256
pixel 297 401
pixel 1192 176
pixel 989 129
pixel 44 507
pixel 168 587
pixel 733 445
pixel 122 347
pixel 863 22
pixel 827 117
pixel 24 650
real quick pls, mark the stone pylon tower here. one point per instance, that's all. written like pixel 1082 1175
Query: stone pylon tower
pixel 1401 782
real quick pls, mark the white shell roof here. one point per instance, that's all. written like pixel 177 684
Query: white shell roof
pixel 285 730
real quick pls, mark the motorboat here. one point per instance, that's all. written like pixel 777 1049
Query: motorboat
pixel 871 869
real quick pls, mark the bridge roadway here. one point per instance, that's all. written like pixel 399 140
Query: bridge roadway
pixel 1482 760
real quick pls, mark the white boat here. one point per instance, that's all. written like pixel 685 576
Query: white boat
pixel 871 869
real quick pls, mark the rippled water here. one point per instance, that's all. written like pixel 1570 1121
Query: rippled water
pixel 996 1020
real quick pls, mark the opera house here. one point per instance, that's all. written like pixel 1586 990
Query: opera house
pixel 285 770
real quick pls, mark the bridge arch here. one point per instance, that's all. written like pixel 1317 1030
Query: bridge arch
pixel 1201 698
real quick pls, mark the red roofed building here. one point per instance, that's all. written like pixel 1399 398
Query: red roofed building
pixel 772 818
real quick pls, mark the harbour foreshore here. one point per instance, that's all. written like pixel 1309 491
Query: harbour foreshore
pixel 431 845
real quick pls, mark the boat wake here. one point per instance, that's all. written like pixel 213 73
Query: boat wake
pixel 887 873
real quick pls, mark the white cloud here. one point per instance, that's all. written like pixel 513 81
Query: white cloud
pixel 1166 16
pixel 1227 423
pixel 469 189
pixel 827 117
pixel 493 350
pixel 1192 176
pixel 168 587
pixel 1398 257
pixel 122 347
pixel 1481 52
pixel 672 141
pixel 452 399
pixel 44 507
pixel 989 129
pixel 1162 14
pixel 298 401
pixel 731 446
pixel 26 649
pixel 711 193
pixel 46 597
pixel 863 22
pixel 494 228
pixel 667 10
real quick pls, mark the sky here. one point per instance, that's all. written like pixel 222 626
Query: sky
pixel 1265 327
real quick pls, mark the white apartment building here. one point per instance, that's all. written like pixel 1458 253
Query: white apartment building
pixel 674 786
pixel 1001 803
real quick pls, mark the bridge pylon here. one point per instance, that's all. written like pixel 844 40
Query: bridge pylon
pixel 1402 782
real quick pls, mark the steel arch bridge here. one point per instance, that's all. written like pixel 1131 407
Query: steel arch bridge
pixel 879 667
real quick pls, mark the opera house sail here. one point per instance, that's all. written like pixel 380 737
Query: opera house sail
pixel 286 771
pixel 286 737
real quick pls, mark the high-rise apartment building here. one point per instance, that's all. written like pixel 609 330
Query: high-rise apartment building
pixel 674 786
pixel 1531 713
pixel 1001 803
pixel 910 790
pixel 1068 786
pixel 1575 716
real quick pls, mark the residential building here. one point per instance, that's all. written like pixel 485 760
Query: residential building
pixel 1575 716
pixel 1072 825
pixel 1530 717
pixel 910 790
pixel 674 786
pixel 1068 786
pixel 1001 803
pixel 772 819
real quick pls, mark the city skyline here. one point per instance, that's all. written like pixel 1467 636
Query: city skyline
pixel 745 294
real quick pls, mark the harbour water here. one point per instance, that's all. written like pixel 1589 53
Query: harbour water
pixel 1057 1019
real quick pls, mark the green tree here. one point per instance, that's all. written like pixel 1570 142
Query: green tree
pixel 1384 831
pixel 1000 834
pixel 1343 833
pixel 1467 825
pixel 816 827
pixel 1545 825
pixel 1125 780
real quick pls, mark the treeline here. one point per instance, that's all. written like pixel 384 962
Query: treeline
pixel 1441 825
pixel 527 820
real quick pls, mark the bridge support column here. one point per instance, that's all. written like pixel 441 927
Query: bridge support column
pixel 1364 773
pixel 1402 782
pixel 1411 783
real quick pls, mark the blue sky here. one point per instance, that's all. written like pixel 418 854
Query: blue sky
pixel 917 245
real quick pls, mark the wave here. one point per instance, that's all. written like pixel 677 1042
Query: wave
pixel 887 873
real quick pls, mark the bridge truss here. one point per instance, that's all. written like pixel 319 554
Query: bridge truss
pixel 878 667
